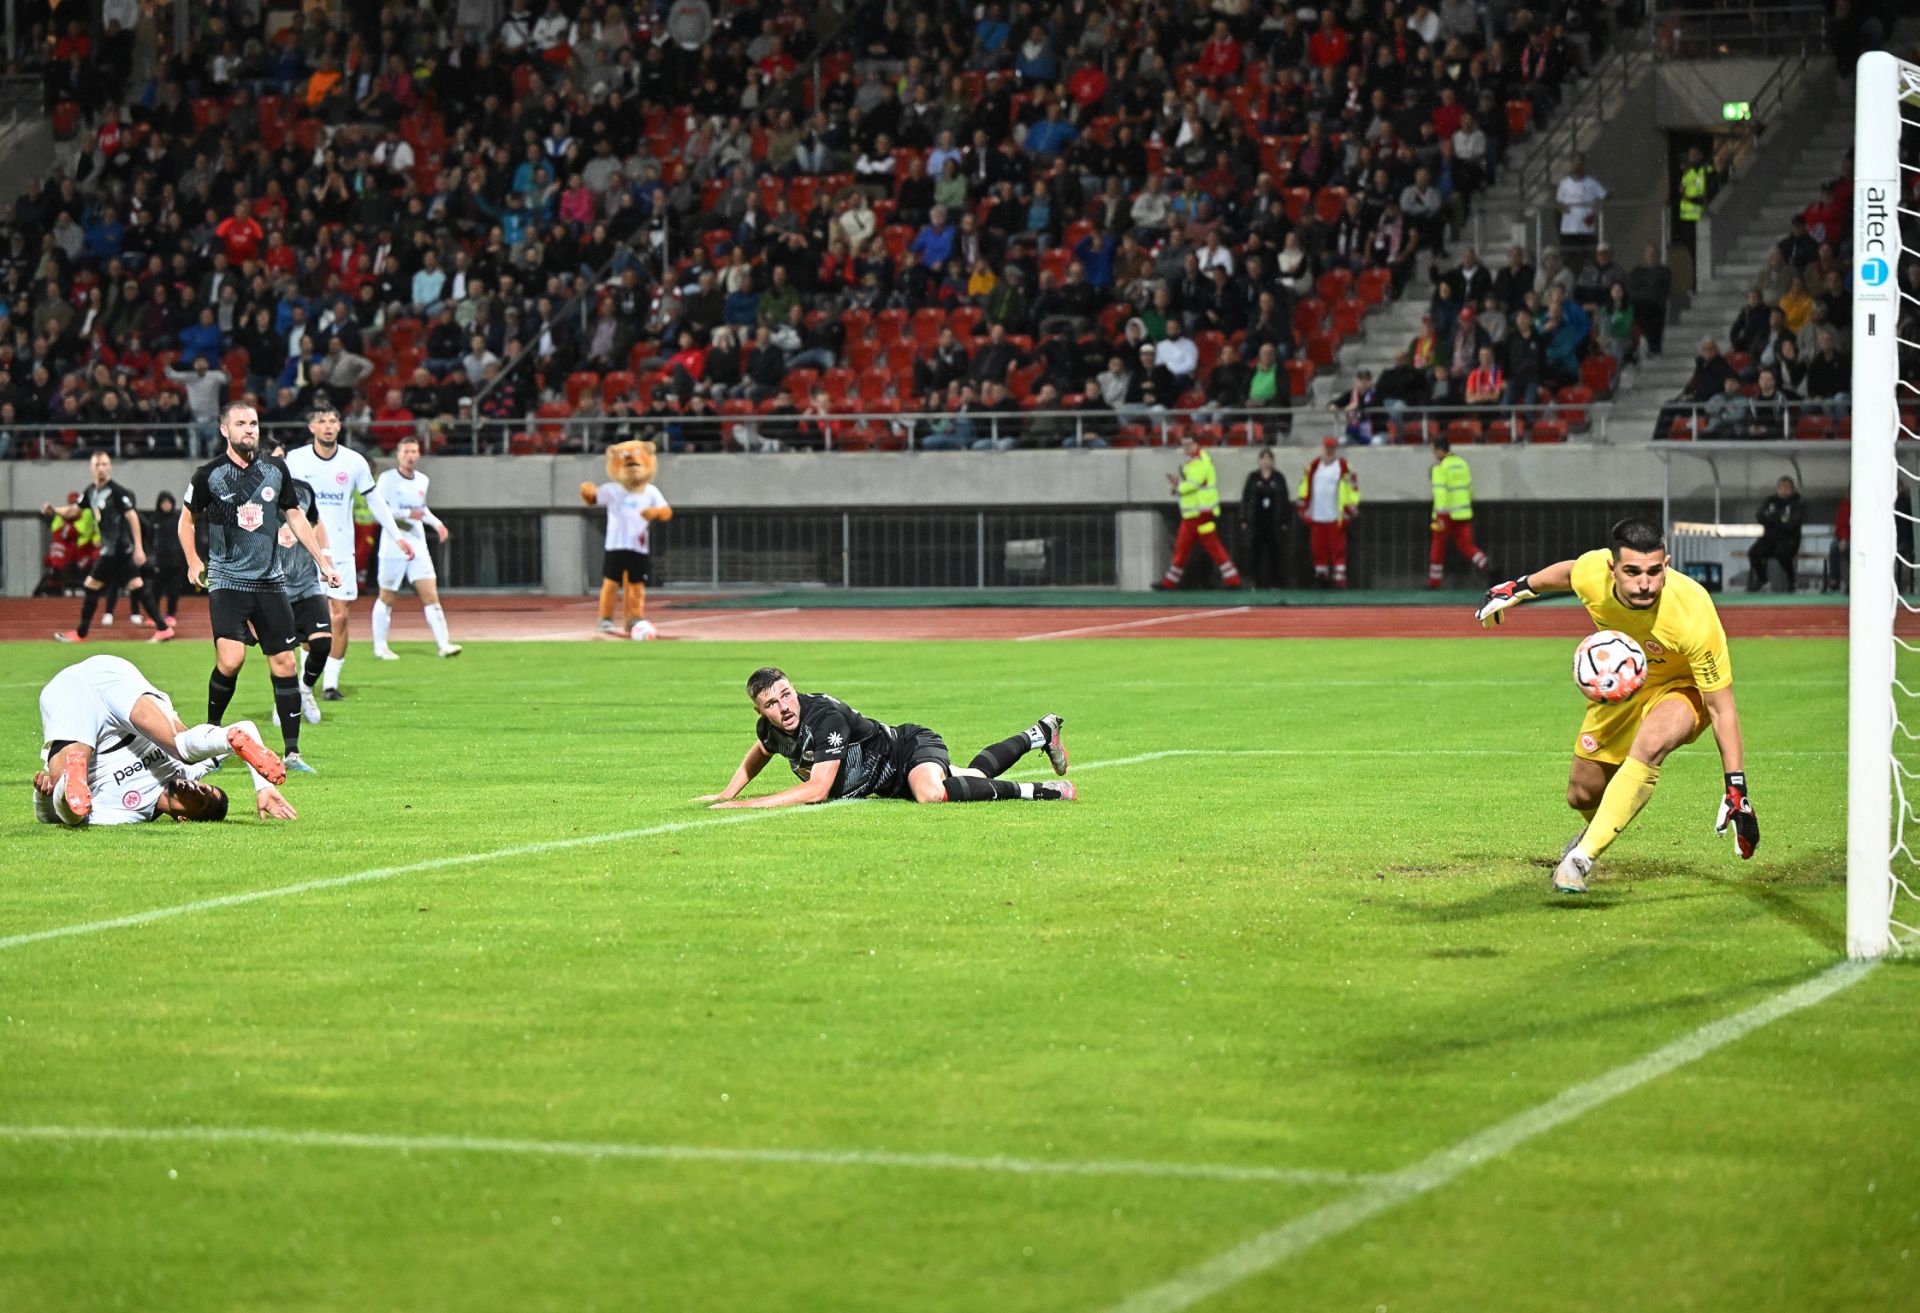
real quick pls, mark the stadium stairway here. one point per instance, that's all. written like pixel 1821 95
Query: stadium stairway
pixel 1500 216
pixel 1762 220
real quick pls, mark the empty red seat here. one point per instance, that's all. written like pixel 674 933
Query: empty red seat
pixel 1347 315
pixel 1333 285
pixel 1374 286
pixel 1549 430
pixel 1463 431
pixel 1597 372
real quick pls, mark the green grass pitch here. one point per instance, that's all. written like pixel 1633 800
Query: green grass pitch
pixel 1313 940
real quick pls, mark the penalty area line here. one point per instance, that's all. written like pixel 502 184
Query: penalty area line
pixel 775 1157
pixel 1206 614
pixel 1270 1249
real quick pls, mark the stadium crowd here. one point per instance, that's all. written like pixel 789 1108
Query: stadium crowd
pixel 1785 369
pixel 471 214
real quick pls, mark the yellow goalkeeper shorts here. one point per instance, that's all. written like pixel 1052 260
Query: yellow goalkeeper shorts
pixel 1606 735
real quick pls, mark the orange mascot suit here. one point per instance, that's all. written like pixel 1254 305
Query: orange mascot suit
pixel 633 507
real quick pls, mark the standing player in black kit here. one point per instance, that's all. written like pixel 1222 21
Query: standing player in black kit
pixel 245 497
pixel 123 554
pixel 838 753
pixel 312 619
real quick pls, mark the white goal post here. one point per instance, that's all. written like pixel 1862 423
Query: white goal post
pixel 1878 809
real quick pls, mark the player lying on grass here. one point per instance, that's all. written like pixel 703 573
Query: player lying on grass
pixel 116 754
pixel 839 753
pixel 1630 587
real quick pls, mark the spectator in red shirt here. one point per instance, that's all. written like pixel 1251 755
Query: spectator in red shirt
pixel 241 234
pixel 1220 56
pixel 1329 44
pixel 280 257
pixel 392 422
pixel 778 65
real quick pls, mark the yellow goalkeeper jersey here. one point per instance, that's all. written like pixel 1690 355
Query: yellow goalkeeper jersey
pixel 1684 641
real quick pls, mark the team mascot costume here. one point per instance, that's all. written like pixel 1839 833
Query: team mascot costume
pixel 633 505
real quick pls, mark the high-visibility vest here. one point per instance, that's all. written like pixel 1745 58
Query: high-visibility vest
pixel 1199 494
pixel 1453 487
pixel 1347 496
pixel 1693 193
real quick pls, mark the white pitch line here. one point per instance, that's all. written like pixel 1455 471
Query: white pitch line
pixel 388 873
pixel 1205 614
pixel 727 615
pixel 1264 1252
pixel 937 1162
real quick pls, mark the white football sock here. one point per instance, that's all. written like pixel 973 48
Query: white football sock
pixel 200 743
pixel 382 616
pixel 437 622
pixel 330 678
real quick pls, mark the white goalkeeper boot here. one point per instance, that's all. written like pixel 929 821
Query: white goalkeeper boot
pixel 1570 877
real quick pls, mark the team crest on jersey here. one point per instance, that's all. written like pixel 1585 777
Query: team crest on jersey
pixel 341 478
pixel 131 799
pixel 1588 743
pixel 1654 647
pixel 266 494
pixel 249 517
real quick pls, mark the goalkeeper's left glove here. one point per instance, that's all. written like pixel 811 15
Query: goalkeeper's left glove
pixel 1736 809
pixel 1502 596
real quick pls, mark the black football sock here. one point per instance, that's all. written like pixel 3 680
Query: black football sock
pixel 143 598
pixel 219 693
pixel 972 788
pixel 998 759
pixel 89 603
pixel 286 705
pixel 318 650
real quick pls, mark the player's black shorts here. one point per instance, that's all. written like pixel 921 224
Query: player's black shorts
pixel 114 571
pixel 915 745
pixel 311 615
pixel 263 618
pixel 634 567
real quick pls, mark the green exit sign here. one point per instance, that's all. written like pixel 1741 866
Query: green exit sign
pixel 1737 111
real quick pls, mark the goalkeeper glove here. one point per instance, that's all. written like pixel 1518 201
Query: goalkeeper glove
pixel 1736 809
pixel 1502 596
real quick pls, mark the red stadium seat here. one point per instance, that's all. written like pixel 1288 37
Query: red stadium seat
pixel 1347 316
pixel 1309 314
pixel 1813 428
pixel 1463 431
pixel 1519 119
pixel 1298 200
pixel 1300 372
pixel 1570 407
pixel 1548 430
pixel 580 384
pixel 615 384
pixel 889 326
pixel 1329 204
pixel 1333 285
pixel 1321 349
pixel 1501 431
pixel 927 324
pixel 1374 286
pixel 1597 372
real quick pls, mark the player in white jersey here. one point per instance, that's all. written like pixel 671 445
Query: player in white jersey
pixel 404 558
pixel 116 753
pixel 335 473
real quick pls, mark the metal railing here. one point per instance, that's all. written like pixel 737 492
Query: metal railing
pixel 856 429
pixel 1550 152
pixel 1746 30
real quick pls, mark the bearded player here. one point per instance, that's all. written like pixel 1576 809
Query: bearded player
pixel 838 753
pixel 1631 587
pixel 115 753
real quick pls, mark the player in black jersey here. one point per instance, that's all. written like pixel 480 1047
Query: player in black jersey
pixel 245 497
pixel 838 753
pixel 123 553
pixel 312 617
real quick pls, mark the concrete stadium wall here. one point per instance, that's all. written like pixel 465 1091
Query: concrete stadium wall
pixel 1133 482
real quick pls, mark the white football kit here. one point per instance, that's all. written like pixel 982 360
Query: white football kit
pixel 408 500
pixel 626 526
pixel 92 702
pixel 334 480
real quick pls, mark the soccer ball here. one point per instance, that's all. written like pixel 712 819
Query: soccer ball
pixel 642 631
pixel 1609 666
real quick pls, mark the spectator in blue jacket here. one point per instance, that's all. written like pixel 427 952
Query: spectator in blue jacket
pixel 934 243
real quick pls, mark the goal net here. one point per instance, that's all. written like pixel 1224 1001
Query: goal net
pixel 1883 650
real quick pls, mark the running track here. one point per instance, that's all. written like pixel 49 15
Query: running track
pixel 490 617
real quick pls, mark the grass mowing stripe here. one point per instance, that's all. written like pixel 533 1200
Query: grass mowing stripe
pixel 387 873
pixel 1133 624
pixel 937 1162
pixel 1270 1249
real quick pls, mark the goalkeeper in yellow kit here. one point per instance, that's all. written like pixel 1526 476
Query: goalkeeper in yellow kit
pixel 1631 587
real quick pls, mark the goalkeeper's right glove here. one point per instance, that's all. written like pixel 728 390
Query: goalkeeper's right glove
pixel 1736 810
pixel 1502 596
